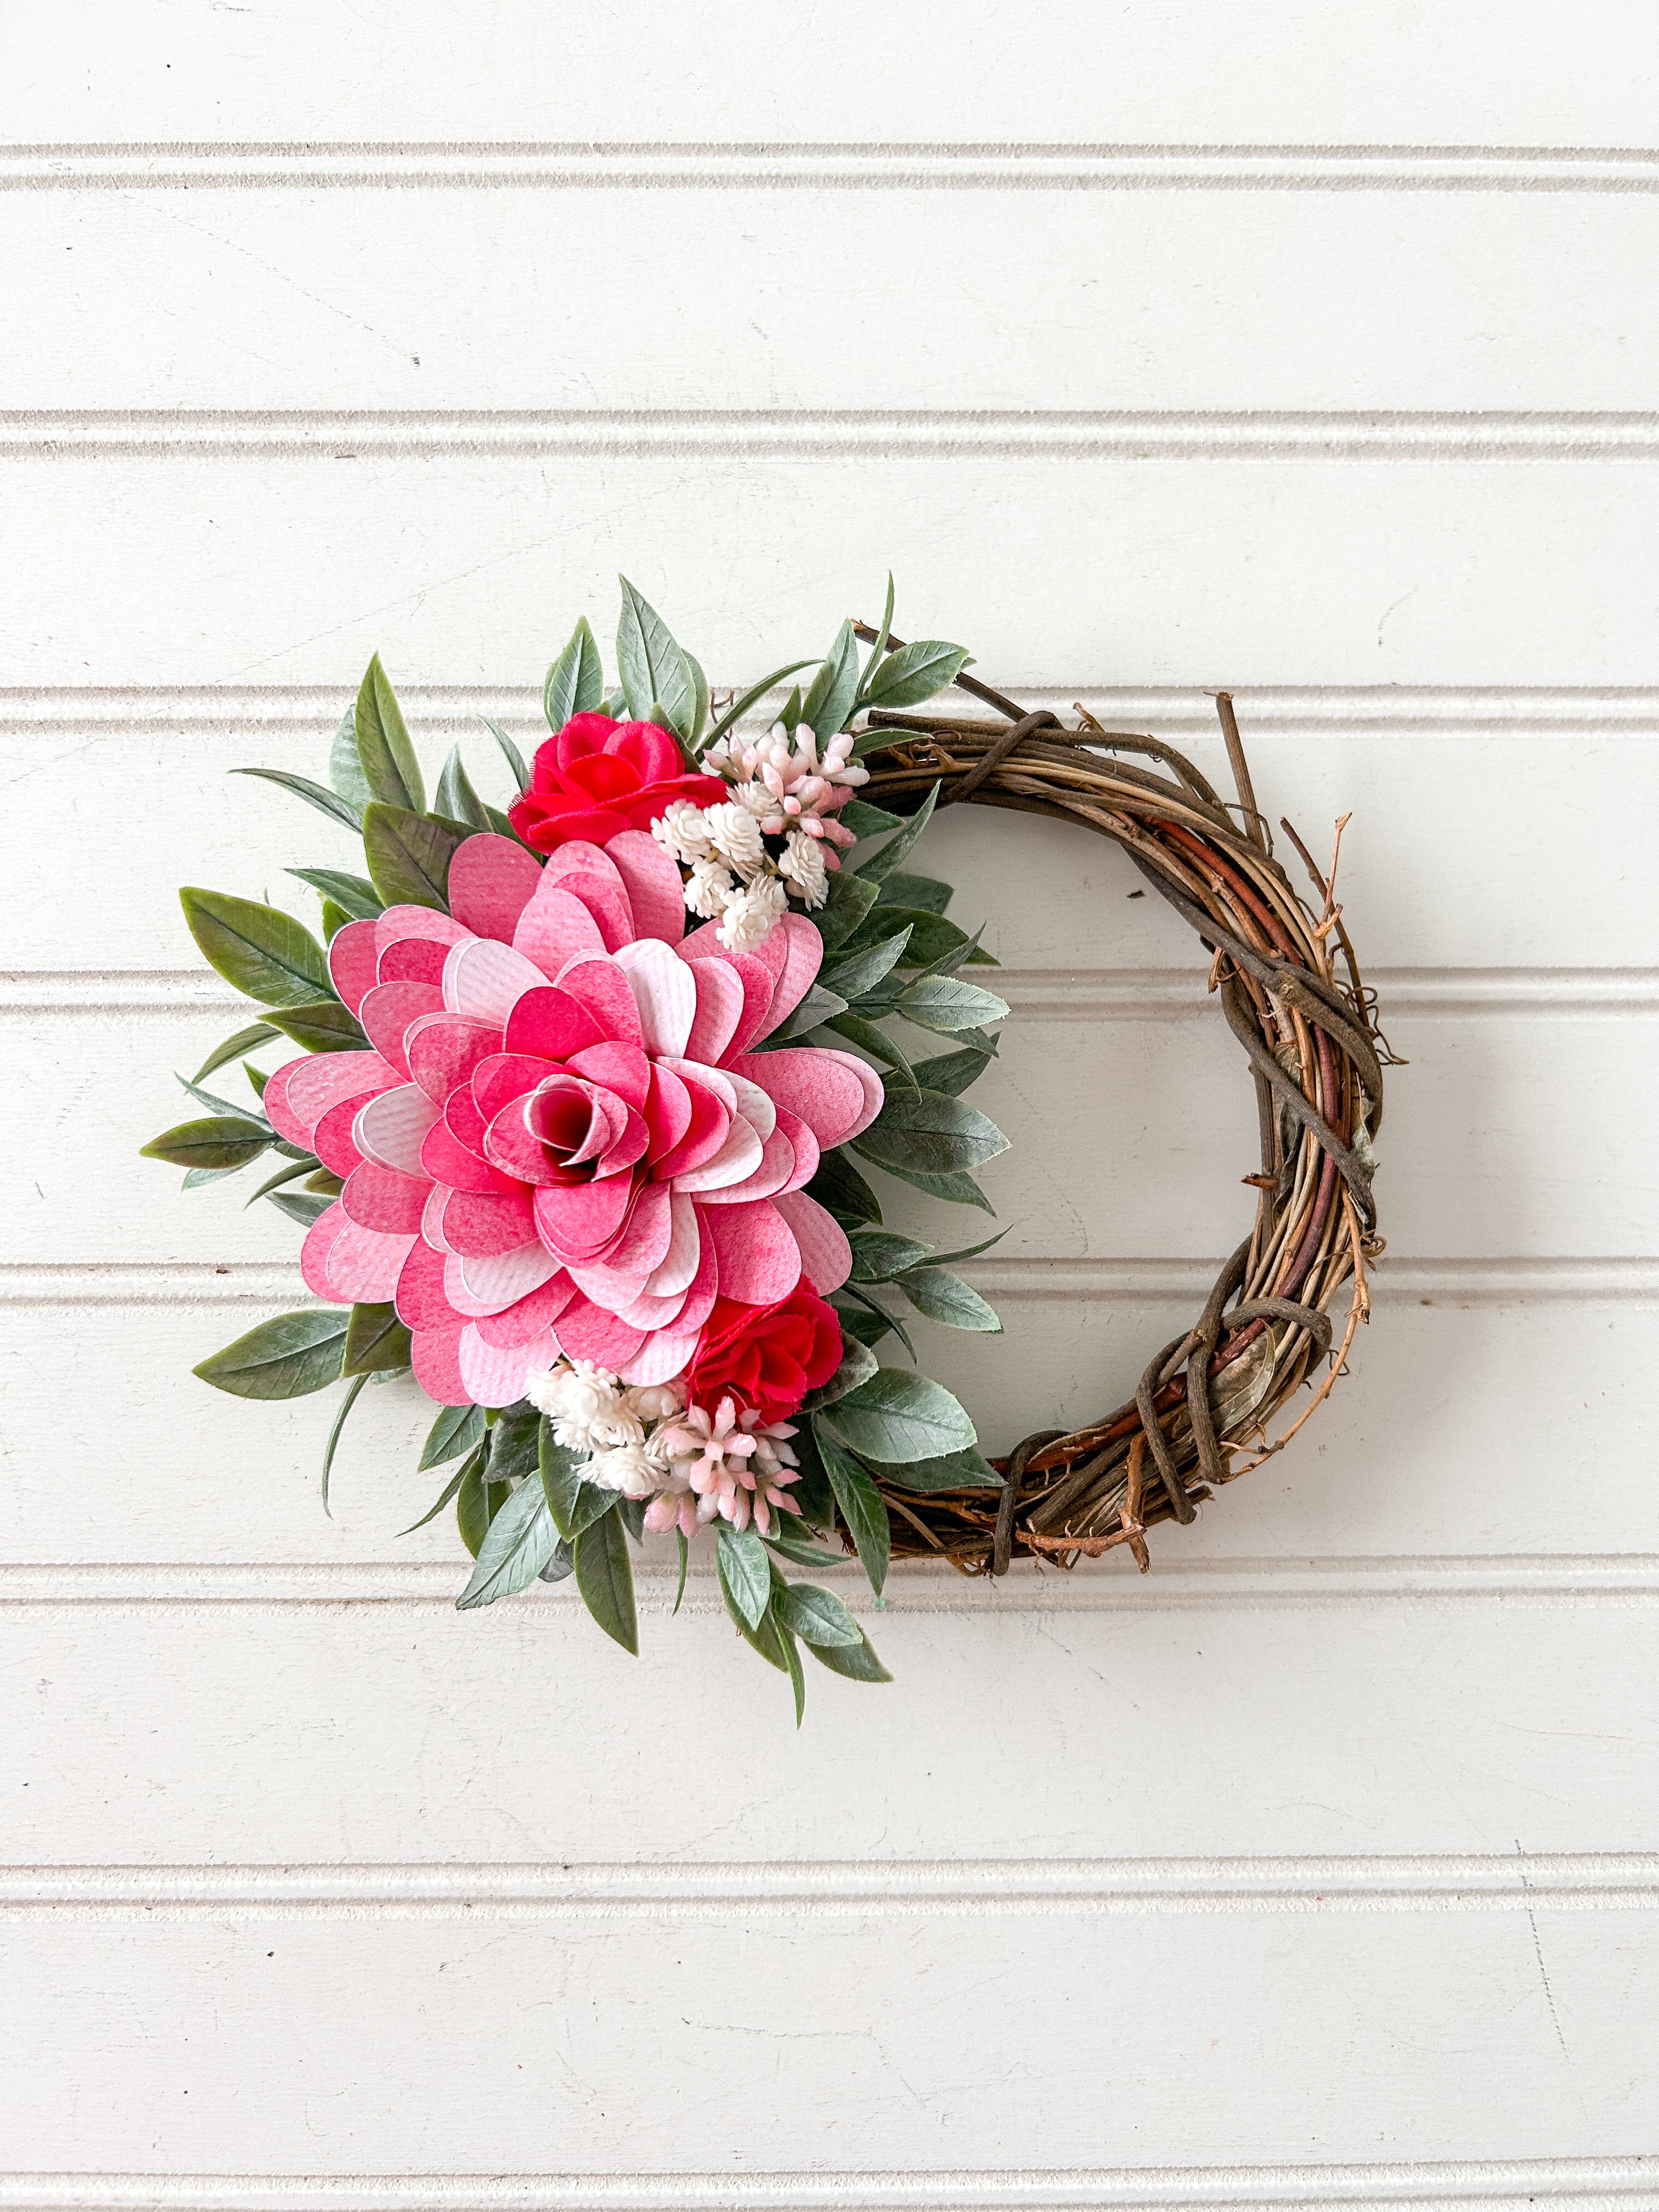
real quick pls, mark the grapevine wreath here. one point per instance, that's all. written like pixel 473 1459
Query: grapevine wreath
pixel 587 1090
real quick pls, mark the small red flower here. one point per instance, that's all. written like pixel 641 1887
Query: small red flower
pixel 767 1357
pixel 595 778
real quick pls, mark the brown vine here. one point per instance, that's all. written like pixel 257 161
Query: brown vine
pixel 1199 1415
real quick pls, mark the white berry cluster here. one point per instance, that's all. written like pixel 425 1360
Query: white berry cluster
pixel 780 788
pixel 646 1442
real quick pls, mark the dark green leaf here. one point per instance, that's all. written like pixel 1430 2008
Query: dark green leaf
pixel 947 1003
pixel 951 1072
pixel 880 864
pixel 655 673
pixel 260 949
pixel 289 1172
pixel 858 1662
pixel 851 897
pixel 864 820
pixel 345 766
pixel 866 1324
pixel 478 1501
pixel 857 1365
pixel 377 1343
pixel 896 1417
pixel 968 1469
pixel 818 1006
pixel 852 978
pixel 946 1298
pixel 788 1544
pixel 869 1038
pixel 517 1545
pixel 933 942
pixel 299 1207
pixel 789 712
pixel 510 752
pixel 860 1503
pixel 287 1356
pixel 768 1639
pixel 605 1578
pixel 922 894
pixel 222 1141
pixel 816 1616
pixel 561 1565
pixel 455 797
pixel 927 1132
pixel 457 1430
pixel 215 1105
pixel 792 1658
pixel 514 1443
pixel 879 646
pixel 744 1571
pixel 913 673
pixel 389 767
pixel 839 1186
pixel 315 794
pixel 323 1026
pixel 335 919
pixel 835 687
pixel 879 1255
pixel 475 1460
pixel 735 713
pixel 890 1323
pixel 574 1502
pixel 325 1180
pixel 685 1561
pixel 409 854
pixel 334 1445
pixel 236 1048
pixel 575 683
pixel 354 895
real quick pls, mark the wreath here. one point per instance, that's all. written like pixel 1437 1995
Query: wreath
pixel 588 1088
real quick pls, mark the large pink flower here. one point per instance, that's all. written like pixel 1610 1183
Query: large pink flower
pixel 563 1139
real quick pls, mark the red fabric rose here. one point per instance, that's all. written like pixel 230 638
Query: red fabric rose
pixel 595 778
pixel 767 1357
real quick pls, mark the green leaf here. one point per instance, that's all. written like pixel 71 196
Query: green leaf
pixel 377 1343
pixel 890 1323
pixel 946 1298
pixel 574 1502
pixel 288 1357
pixel 685 1561
pixel 354 895
pixel 789 1546
pixel 864 820
pixel 880 864
pixel 345 766
pixel 752 696
pixel 896 1417
pixel 816 1616
pixel 913 673
pixel 561 1565
pixel 289 1172
pixel 839 1187
pixel 409 854
pixel 575 683
pixel 299 1206
pixel 744 1571
pixel 334 1434
pixel 224 1141
pixel 923 894
pixel 852 978
pixel 792 1657
pixel 315 794
pixel 654 671
pixel 768 1639
pixel 789 712
pixel 236 1048
pixel 455 797
pixel 215 1105
pixel 323 1026
pixel 510 752
pixel 933 942
pixel 851 897
pixel 927 1132
pixel 860 1503
pixel 857 1365
pixel 835 689
pixel 700 701
pixel 196 1177
pixel 389 767
pixel 514 1442
pixel 517 1545
pixel 478 1501
pixel 947 1003
pixel 818 1006
pixel 968 1469
pixel 456 1430
pixel 869 1037
pixel 879 646
pixel 325 1180
pixel 605 1578
pixel 868 1324
pixel 858 1662
pixel 951 1072
pixel 335 919
pixel 879 1255
pixel 449 1490
pixel 261 951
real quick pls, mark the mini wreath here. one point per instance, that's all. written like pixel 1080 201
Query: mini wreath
pixel 587 1089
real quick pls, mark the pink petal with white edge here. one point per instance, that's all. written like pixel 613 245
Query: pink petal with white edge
pixel 363 1265
pixel 588 1332
pixel 313 1253
pixel 602 987
pixel 644 1243
pixel 485 980
pixel 434 1354
pixel 737 1159
pixel 332 1138
pixel 447 1161
pixel 488 1284
pixel 806 1147
pixel 667 1110
pixel 759 985
pixel 302 1091
pixel 776 1172
pixel 705 1289
pixel 826 1257
pixel 390 1128
pixel 400 921
pixel 661 1359
pixel 353 961
pixel 578 857
pixel 494 1375
pixel 443 1050
pixel 413 960
pixel 388 1011
pixel 679 1267
pixel 579 1221
pixel 756 1106
pixel 706 1133
pixel 491 881
pixel 874 1096
pixel 653 883
pixel 620 1067
pixel 650 1314
pixel 517 1324
pixel 432 1220
pixel 480 1227
pixel 720 1008
pixel 606 900
pixel 822 1087
pixel 419 1297
pixel 548 1024
pixel 379 1198
pixel 554 927
pixel 665 991
pixel 758 1259
pixel 803 956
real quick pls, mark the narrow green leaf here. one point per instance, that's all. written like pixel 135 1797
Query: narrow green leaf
pixel 315 794
pixel 217 1105
pixel 927 1133
pixel 455 797
pixel 377 1343
pixel 478 1501
pixel 455 1432
pixel 409 854
pixel 345 766
pixel 839 1187
pixel 816 1616
pixel 833 689
pixel 946 1298
pixel 735 713
pixel 604 1576
pixel 323 1026
pixel 924 893
pixel 913 673
pixel 947 1003
pixel 792 1659
pixel 448 1491
pixel 879 1255
pixel 350 1399
pixel 869 1038
pixel 561 1565
pixel 261 951
pixel 866 1324
pixel 389 765
pixel 518 1544
pixel 288 1357
pixel 864 820
pixel 685 1561
pixel 196 1177
pixel 878 649
pixel 222 1142
pixel 654 671
pixel 852 978
pixel 968 1469
pixel 879 864
pixel 514 1442
pixel 354 895
pixel 510 752
pixel 858 1662
pixel 860 1503
pixel 299 1207
pixel 896 1417
pixel 289 1172
pixel 890 1323
pixel 818 1006
pixel 789 712
pixel 932 943
pixel 745 1572
pixel 951 1072
pixel 236 1048
pixel 561 1471
pixel 574 685
pixel 857 1365
pixel 789 1545
pixel 851 897
pixel 767 1638
pixel 699 702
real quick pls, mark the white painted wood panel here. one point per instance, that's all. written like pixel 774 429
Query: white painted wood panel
pixel 1220 299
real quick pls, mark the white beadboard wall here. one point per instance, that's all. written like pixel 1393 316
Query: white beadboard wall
pixel 1306 349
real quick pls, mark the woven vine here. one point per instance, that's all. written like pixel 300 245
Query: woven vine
pixel 1201 1414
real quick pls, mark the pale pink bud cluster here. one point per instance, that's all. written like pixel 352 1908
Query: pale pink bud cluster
pixel 731 1465
pixel 806 791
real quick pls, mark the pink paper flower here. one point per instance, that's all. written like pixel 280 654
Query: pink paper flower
pixel 563 1139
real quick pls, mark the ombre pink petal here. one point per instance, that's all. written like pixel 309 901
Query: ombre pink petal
pixel 821 1088
pixel 465 1122
pixel 432 1220
pixel 826 1257
pixel 660 1359
pixel 363 1265
pixel 491 881
pixel 653 883
pixel 720 1009
pixel 706 1134
pixel 776 1172
pixel 388 1010
pixel 758 1259
pixel 804 1145
pixel 646 1312
pixel 446 1160
pixel 588 1332
pixel 511 1145
pixel 705 1287
pixel 601 987
pixel 679 1269
pixel 667 1111
pixel 413 960
pixel 578 856
pixel 737 1159
pixel 578 1221
pixel 626 1148
pixel 302 1091
pixel 874 1095
pixel 443 1050
pixel 759 985
pixel 434 1354
pixel 665 991
pixel 517 1324
pixel 379 1198
pixel 390 1128
pixel 477 1287
pixel 605 900
pixel 476 1226
pixel 803 955
pixel 554 927
pixel 496 1082
pixel 644 1243
pixel 353 957
pixel 620 1067
pixel 757 1107
pixel 548 1024
pixel 313 1253
pixel 420 1297
pixel 484 980
pixel 332 1139
pixel 401 922
pixel 494 1375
